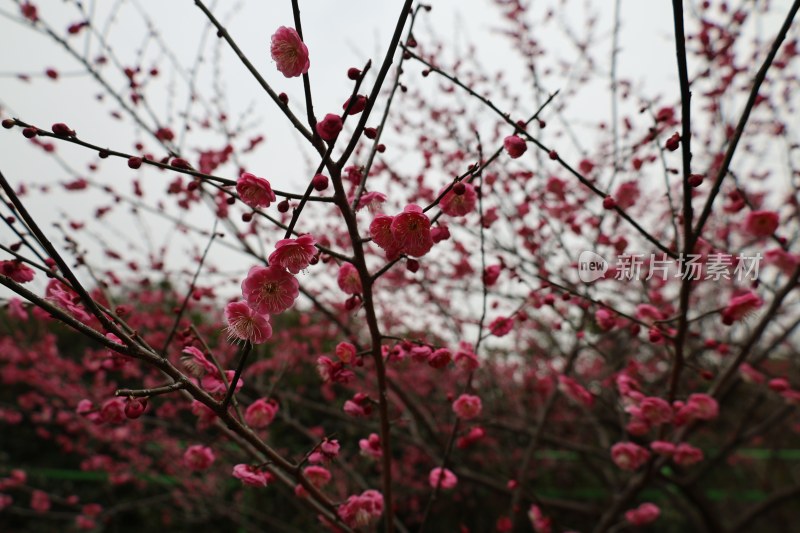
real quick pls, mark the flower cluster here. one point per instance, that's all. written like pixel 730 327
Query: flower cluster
pixel 407 233
pixel 362 510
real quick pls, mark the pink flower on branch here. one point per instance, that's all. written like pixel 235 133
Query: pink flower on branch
pixel 348 279
pixel 215 386
pixel 686 455
pixel 761 223
pixel 460 200
pixel 346 352
pixel 629 456
pixel 643 515
pixel 381 232
pixel 246 324
pixel 411 230
pixel 515 146
pixel 740 307
pixel 540 522
pixel 294 254
pixel 251 475
pixel 448 479
pixel 289 52
pixel 270 289
pixel 196 362
pixel 261 413
pixel 702 407
pixel 198 457
pixel 371 200
pixel 362 510
pixel 254 191
pixel 329 127
pixel 575 391
pixel 371 446
pixel 467 406
pixel 17 271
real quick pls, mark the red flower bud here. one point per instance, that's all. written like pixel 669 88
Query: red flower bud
pixel 62 130
pixel 673 142
pixel 320 182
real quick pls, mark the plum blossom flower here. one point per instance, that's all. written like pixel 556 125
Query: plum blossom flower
pixel 501 326
pixel 346 352
pixel 356 409
pixel 294 254
pixel 246 324
pixel 348 279
pixel 289 52
pixel 761 223
pixel 353 174
pixel 17 271
pixel 442 477
pixel 627 194
pixel 515 146
pixel 371 446
pixel 134 408
pixel 40 501
pixel 440 233
pixel 327 451
pixel 741 306
pixel 686 454
pixel 359 104
pixel 474 435
pixel 318 476
pixel 16 309
pixel 67 299
pixel 458 205
pixel 440 358
pixel 465 358
pixel 335 371
pixel 662 447
pixel 655 411
pixel 540 522
pixel 381 232
pixel 254 191
pixel 703 406
pixel 113 411
pixel 643 515
pixel 261 413
pixel 605 319
pixel 411 230
pixel 575 391
pixel 214 384
pixel 420 353
pixel 251 475
pixel 371 200
pixel 29 11
pixel 363 509
pixel 491 274
pixel 5 501
pixel 782 259
pixel 196 362
pixel 329 127
pixel 198 457
pixel 629 456
pixel 467 406
pixel 270 289
pixel 637 427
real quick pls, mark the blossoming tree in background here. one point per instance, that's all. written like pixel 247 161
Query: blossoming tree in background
pixel 412 338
